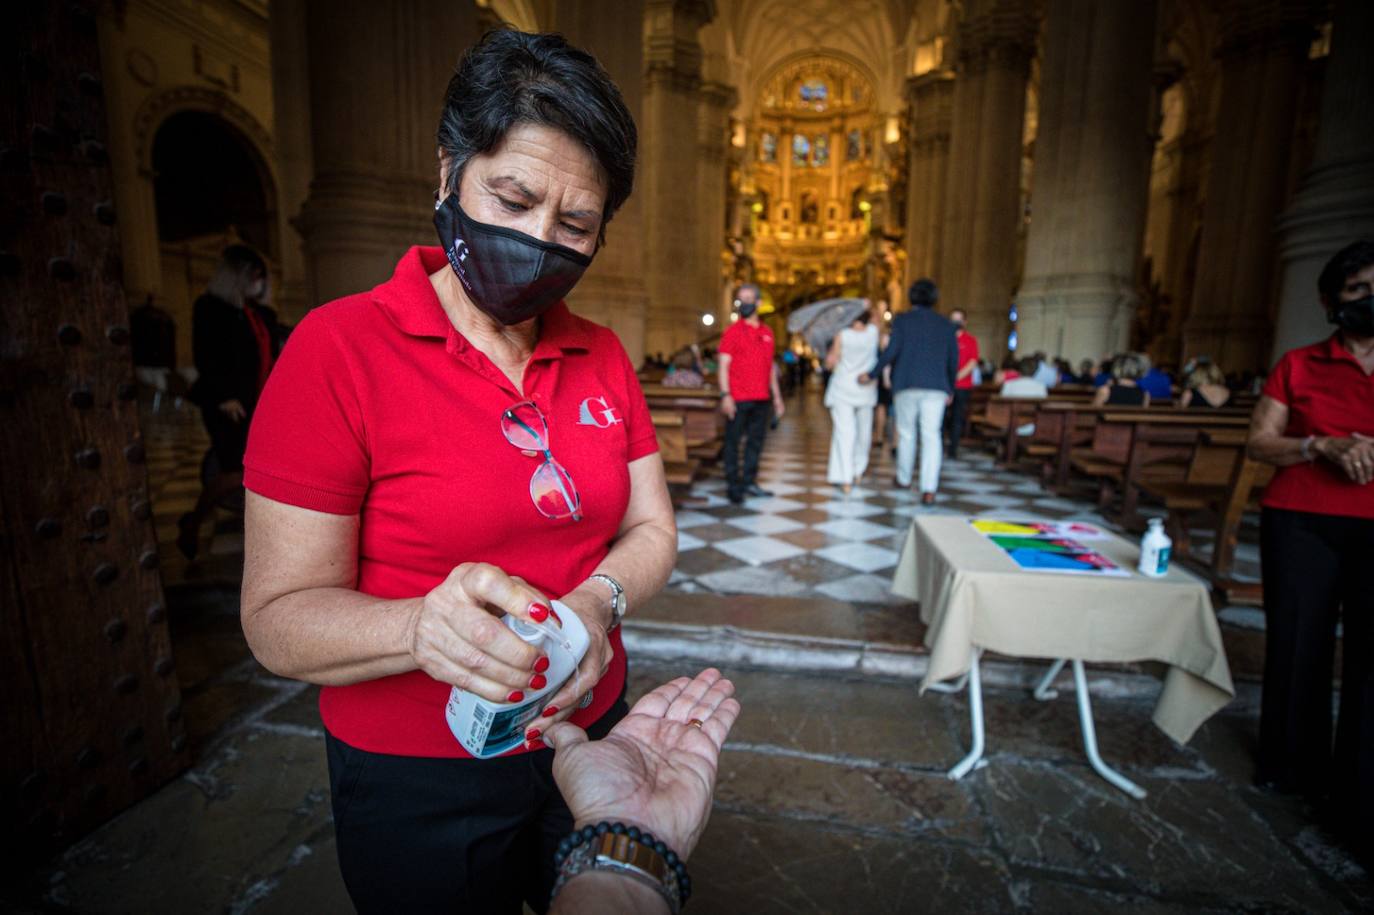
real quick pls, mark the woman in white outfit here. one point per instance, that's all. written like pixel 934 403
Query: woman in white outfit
pixel 853 352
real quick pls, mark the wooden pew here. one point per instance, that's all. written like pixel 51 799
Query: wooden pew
pixel 1076 425
pixel 1157 444
pixel 703 425
pixel 670 428
pixel 1224 482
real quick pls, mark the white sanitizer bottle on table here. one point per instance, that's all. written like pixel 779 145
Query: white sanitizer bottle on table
pixel 1155 547
pixel 486 728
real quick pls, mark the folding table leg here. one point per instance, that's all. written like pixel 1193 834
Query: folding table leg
pixel 1085 720
pixel 975 706
pixel 1043 691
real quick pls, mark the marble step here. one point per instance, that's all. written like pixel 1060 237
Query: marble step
pixel 821 635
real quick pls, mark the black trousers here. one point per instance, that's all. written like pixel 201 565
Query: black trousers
pixel 443 835
pixel 751 420
pixel 956 418
pixel 1318 568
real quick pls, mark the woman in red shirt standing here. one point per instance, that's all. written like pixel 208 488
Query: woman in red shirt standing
pixel 1315 421
pixel 448 448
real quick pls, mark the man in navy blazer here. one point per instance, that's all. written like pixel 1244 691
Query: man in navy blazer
pixel 924 355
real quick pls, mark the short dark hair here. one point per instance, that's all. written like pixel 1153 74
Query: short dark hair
pixel 1351 259
pixel 243 259
pixel 512 77
pixel 923 292
pixel 752 287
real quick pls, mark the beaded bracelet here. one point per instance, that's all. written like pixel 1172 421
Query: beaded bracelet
pixel 627 850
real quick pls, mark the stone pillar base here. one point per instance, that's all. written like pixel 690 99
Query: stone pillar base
pixel 1334 208
pixel 356 227
pixel 1084 316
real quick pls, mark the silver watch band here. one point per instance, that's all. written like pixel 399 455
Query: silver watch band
pixel 617 598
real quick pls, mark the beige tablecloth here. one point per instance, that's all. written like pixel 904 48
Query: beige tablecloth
pixel 972 593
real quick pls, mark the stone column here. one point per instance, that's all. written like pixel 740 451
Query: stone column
pixel 1262 54
pixel 978 259
pixel 717 101
pixel 613 292
pixel 672 67
pixel 929 96
pixel 291 140
pixel 377 77
pixel 1090 187
pixel 1334 205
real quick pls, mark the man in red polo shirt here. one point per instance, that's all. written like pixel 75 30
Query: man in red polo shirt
pixel 963 380
pixel 748 382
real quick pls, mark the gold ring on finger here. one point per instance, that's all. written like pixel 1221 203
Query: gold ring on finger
pixel 694 723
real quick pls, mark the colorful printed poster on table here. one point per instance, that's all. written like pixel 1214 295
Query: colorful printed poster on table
pixel 1045 546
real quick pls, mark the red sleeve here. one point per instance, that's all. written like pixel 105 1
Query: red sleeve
pixel 307 445
pixel 727 341
pixel 1279 385
pixel 640 437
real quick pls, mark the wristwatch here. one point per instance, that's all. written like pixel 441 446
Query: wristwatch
pixel 617 598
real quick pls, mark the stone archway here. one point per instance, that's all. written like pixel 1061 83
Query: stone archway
pixel 182 268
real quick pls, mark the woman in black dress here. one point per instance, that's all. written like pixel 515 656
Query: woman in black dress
pixel 234 341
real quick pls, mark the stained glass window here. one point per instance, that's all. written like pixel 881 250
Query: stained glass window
pixel 813 90
pixel 768 147
pixel 822 147
pixel 801 149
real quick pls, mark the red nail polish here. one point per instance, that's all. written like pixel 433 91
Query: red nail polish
pixel 538 681
pixel 532 734
pixel 554 614
pixel 535 745
pixel 541 665
pixel 539 613
pixel 515 696
pixel 551 711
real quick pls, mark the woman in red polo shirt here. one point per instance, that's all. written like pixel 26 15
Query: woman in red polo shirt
pixel 1316 422
pixel 450 447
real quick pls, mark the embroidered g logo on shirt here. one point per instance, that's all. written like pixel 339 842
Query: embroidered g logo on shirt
pixel 595 411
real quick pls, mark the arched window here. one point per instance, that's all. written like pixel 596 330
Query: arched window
pixel 801 150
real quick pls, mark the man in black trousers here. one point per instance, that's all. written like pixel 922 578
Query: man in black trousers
pixel 748 382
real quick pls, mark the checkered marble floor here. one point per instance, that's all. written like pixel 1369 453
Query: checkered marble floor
pixel 809 539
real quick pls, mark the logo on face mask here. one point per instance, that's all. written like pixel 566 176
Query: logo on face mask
pixel 511 276
pixel 595 411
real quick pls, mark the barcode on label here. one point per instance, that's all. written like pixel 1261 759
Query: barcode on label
pixel 481 714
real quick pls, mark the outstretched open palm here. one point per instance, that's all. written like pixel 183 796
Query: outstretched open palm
pixel 655 769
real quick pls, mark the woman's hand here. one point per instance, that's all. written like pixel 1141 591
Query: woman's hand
pixel 457 635
pixel 234 410
pixel 593 609
pixel 1354 455
pixel 654 770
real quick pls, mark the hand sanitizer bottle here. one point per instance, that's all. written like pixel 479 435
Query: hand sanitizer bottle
pixel 486 728
pixel 1155 547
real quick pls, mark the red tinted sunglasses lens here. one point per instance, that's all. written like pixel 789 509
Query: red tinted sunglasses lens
pixel 553 492
pixel 524 427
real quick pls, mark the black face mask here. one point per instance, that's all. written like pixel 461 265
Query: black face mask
pixel 509 275
pixel 1357 317
pixel 746 309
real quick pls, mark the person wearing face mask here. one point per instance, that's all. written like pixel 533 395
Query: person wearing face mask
pixel 1315 421
pixel 448 448
pixel 957 418
pixel 750 393
pixel 235 338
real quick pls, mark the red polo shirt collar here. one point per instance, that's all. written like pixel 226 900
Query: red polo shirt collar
pixel 409 300
pixel 1334 350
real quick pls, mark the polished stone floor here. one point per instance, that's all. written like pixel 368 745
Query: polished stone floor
pixel 832 795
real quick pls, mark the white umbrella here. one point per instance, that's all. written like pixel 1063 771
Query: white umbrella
pixel 820 321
